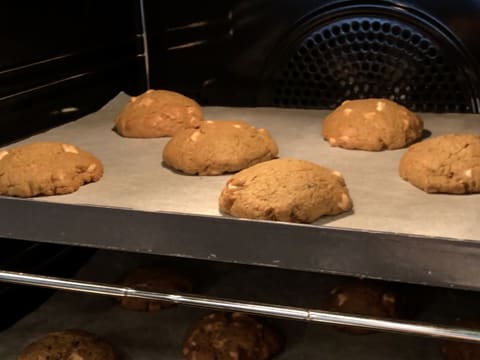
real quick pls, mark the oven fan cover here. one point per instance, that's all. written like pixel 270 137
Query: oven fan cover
pixel 404 58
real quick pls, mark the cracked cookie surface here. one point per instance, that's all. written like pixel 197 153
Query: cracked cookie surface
pixel 46 168
pixel 287 189
pixel 157 113
pixel 372 125
pixel 227 336
pixel 217 147
pixel 69 345
pixel 444 164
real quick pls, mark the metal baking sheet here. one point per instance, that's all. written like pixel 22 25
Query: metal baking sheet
pixel 146 336
pixel 395 230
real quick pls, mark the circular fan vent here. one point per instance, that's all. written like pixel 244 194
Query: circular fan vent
pixel 361 57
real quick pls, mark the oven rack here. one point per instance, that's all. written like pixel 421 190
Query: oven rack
pixel 395 232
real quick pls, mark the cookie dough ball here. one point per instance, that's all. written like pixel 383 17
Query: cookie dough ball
pixel 457 350
pixel 157 113
pixel 227 336
pixel 362 298
pixel 218 147
pixel 371 124
pixel 153 279
pixel 69 345
pixel 444 164
pixel 46 168
pixel 285 190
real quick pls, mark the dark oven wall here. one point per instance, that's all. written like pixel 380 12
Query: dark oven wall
pixel 62 59
pixel 314 54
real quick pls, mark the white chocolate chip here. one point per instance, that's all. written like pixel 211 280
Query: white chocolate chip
pixel 91 167
pixel 146 102
pixel 208 122
pixel 332 141
pixel 380 105
pixel 347 111
pixel 194 136
pixel 388 298
pixel 345 102
pixel 262 130
pixel 69 148
pixel 133 99
pixel 341 299
pixel 237 126
pixel 405 124
pixel 337 173
pixel 468 173
pixel 345 138
pixel 149 91
pixel 3 154
pixel 232 187
pixel 370 115
pixel 344 203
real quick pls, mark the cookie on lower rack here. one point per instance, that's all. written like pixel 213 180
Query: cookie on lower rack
pixel 362 298
pixel 157 113
pixel 227 336
pixel 458 350
pixel 217 147
pixel 372 125
pixel 153 279
pixel 444 164
pixel 46 168
pixel 287 189
pixel 69 345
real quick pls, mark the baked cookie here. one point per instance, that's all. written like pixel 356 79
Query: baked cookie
pixel 69 345
pixel 444 164
pixel 218 147
pixel 285 190
pixel 153 279
pixel 362 298
pixel 157 113
pixel 46 168
pixel 227 336
pixel 457 350
pixel 371 124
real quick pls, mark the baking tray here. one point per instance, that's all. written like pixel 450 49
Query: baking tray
pixel 395 231
pixel 145 336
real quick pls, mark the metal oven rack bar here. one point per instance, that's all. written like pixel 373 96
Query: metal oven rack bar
pixel 285 312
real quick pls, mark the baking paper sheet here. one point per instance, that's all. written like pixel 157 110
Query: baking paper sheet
pixel 135 178
pixel 152 336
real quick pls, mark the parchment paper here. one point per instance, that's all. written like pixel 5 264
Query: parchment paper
pixel 135 178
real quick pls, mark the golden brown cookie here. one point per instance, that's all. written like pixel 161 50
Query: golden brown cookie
pixel 69 345
pixel 285 190
pixel 157 113
pixel 153 279
pixel 457 350
pixel 218 147
pixel 227 336
pixel 46 168
pixel 371 124
pixel 444 164
pixel 362 298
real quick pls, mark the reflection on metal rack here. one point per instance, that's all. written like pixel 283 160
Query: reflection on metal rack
pixel 285 312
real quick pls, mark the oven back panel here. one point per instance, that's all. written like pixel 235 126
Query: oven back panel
pixel 315 54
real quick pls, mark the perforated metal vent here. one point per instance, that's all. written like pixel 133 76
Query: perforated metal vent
pixel 362 57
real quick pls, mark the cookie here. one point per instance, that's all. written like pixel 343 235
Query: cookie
pixel 444 164
pixel 371 124
pixel 46 168
pixel 362 298
pixel 218 147
pixel 153 279
pixel 457 350
pixel 157 113
pixel 285 190
pixel 227 336
pixel 69 345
